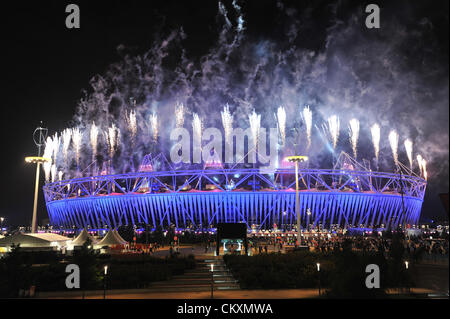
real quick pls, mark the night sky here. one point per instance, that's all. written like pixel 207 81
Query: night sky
pixel 46 67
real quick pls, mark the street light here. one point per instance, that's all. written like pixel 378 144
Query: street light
pixel 318 270
pixel 212 281
pixel 1 224
pixel 296 159
pixel 36 160
pixel 104 282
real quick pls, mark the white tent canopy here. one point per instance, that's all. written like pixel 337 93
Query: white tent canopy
pixel 111 238
pixel 81 238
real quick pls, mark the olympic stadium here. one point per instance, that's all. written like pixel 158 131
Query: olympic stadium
pixel 348 195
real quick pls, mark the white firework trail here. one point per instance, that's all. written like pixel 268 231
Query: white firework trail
pixel 132 125
pixel 55 147
pixel 94 140
pixel 48 154
pixel 333 129
pixel 60 175
pixel 419 162
pixel 353 131
pixel 307 118
pixel 154 124
pixel 422 166
pixel 255 125
pixel 375 131
pixel 393 141
pixel 112 138
pixel 66 139
pixel 197 128
pixel 179 115
pixel 227 122
pixel 281 119
pixel 53 172
pixel 424 169
pixel 77 137
pixel 409 151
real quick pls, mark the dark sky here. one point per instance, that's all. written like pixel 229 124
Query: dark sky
pixel 45 66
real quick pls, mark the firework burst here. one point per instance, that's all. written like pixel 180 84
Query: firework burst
pixel 255 126
pixel 375 132
pixel 409 151
pixel 179 115
pixel 333 129
pixel 393 142
pixel 307 118
pixel 154 125
pixel 77 137
pixel 94 140
pixel 132 126
pixel 353 130
pixel 227 122
pixel 281 119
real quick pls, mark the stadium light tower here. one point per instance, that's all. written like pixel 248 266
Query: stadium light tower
pixel 39 136
pixel 296 159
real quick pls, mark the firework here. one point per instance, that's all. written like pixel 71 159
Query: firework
pixel 66 138
pixel 419 162
pixel 94 139
pixel 375 131
pixel 353 130
pixel 48 154
pixel 132 126
pixel 255 125
pixel 307 118
pixel 393 141
pixel 179 115
pixel 422 166
pixel 197 128
pixel 409 151
pixel 333 129
pixel 281 118
pixel 60 175
pixel 112 139
pixel 53 172
pixel 424 169
pixel 77 136
pixel 55 147
pixel 227 121
pixel 154 124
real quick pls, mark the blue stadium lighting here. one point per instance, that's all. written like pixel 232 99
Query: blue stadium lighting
pixel 181 198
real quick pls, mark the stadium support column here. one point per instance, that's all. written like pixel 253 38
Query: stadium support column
pixel 38 161
pixel 296 160
pixel 36 190
pixel 297 204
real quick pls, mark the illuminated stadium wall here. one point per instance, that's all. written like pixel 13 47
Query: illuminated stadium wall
pixel 201 198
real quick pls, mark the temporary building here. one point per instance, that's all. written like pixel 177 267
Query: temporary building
pixel 34 241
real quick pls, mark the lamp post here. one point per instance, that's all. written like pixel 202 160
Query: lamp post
pixel 104 282
pixel 407 266
pixel 318 270
pixel 212 281
pixel 296 159
pixel 36 160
